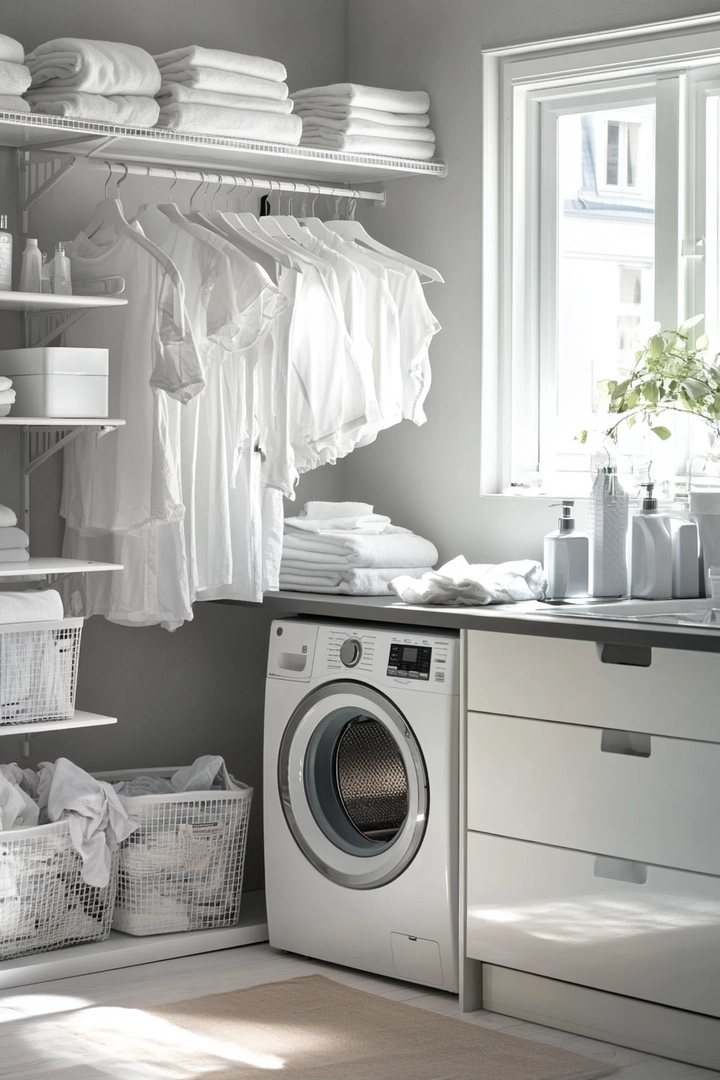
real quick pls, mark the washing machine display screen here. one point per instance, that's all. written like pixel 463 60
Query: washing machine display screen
pixel 410 661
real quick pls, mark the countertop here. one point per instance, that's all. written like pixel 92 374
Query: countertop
pixel 531 618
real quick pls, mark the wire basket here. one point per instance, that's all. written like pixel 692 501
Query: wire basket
pixel 38 670
pixel 44 902
pixel 183 868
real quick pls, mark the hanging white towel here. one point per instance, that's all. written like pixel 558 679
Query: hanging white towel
pixel 97 67
pixel 195 56
pixel 13 537
pixel 11 50
pixel 35 605
pixel 130 110
pixel 171 93
pixel 352 112
pixel 322 126
pixel 236 123
pixel 366 144
pixel 225 82
pixel 367 97
pixel 13 103
pixel 461 583
pixel 14 78
pixel 357 582
pixel 8 517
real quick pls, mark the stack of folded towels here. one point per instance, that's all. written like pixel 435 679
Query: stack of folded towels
pixel 107 81
pixel 14 76
pixel 7 395
pixel 14 542
pixel 214 92
pixel 347 548
pixel 366 120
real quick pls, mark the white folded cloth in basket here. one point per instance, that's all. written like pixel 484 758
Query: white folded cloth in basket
pixel 11 50
pixel 460 582
pixel 366 97
pixel 12 537
pixel 35 605
pixel 97 67
pixel 181 94
pixel 195 56
pixel 236 123
pixel 130 110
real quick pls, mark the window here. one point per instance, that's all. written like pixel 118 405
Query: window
pixel 601 216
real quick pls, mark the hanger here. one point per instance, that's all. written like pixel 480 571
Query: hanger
pixel 109 213
pixel 314 224
pixel 234 228
pixel 290 224
pixel 352 230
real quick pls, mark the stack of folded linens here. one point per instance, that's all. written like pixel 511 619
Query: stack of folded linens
pixel 7 395
pixel 106 81
pixel 347 548
pixel 14 76
pixel 214 92
pixel 14 542
pixel 366 120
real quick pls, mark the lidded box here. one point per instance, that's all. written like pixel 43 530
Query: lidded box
pixel 57 382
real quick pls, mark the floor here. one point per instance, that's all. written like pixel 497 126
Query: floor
pixel 26 1055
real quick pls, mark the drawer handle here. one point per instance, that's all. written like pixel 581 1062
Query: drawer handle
pixel 628 655
pixel 627 743
pixel 634 873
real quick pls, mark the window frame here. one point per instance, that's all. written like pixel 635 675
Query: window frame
pixel 521 86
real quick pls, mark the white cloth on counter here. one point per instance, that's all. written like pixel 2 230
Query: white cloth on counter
pixel 13 103
pixel 8 517
pixel 33 605
pixel 225 82
pixel 411 121
pixel 13 537
pixel 355 582
pixel 461 583
pixel 11 50
pixel 366 97
pixel 97 819
pixel 14 78
pixel 130 110
pixel 195 56
pixel 341 550
pixel 315 125
pixel 96 67
pixel 179 93
pixel 366 144
pixel 237 123
pixel 14 555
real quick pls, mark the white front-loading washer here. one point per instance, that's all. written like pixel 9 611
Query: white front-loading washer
pixel 361 797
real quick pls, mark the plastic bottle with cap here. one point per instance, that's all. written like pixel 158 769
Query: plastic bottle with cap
pixel 6 250
pixel 566 557
pixel 31 268
pixel 651 551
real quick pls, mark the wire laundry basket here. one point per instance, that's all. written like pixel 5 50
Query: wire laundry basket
pixel 38 670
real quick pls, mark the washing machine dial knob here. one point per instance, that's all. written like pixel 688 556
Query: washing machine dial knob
pixel 350 652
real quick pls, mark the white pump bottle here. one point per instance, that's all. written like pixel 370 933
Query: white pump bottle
pixel 651 552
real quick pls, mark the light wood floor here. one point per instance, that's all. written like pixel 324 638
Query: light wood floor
pixel 26 1052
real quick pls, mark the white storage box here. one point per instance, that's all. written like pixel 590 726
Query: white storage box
pixel 38 670
pixel 57 382
pixel 183 868
pixel 44 902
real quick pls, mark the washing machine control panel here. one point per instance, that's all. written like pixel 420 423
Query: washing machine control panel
pixel 409 661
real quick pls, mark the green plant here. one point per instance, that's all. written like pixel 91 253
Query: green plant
pixel 670 374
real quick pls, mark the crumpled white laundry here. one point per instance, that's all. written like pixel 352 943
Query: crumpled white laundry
pixel 459 582
pixel 205 774
pixel 17 809
pixel 97 819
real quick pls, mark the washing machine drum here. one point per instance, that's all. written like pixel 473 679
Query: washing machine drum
pixel 353 785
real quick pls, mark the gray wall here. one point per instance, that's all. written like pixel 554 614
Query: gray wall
pixel 428 478
pixel 199 690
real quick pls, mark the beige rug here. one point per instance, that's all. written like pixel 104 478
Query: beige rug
pixel 315 1028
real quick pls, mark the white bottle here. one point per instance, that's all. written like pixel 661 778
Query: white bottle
pixel 31 269
pixel 686 559
pixel 607 529
pixel 566 558
pixel 6 249
pixel 61 280
pixel 45 275
pixel 651 552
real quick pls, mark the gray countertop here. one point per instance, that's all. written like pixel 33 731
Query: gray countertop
pixel 499 618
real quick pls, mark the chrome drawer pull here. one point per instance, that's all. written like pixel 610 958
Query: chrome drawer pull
pixel 634 873
pixel 627 743
pixel 628 655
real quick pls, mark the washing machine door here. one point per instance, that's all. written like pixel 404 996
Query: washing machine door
pixel 353 785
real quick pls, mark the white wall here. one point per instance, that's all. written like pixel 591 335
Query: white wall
pixel 429 478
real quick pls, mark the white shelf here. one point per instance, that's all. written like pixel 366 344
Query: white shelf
pixel 59 422
pixel 79 720
pixel 52 567
pixel 48 302
pixel 114 143
pixel 122 950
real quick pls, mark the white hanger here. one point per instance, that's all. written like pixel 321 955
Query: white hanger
pixel 353 230
pixel 109 213
pixel 237 229
pixel 290 224
pixel 314 224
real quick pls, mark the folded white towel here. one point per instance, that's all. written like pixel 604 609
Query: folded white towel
pixel 5 383
pixel 130 110
pixel 225 82
pixel 97 67
pixel 178 92
pixel 12 537
pixel 366 144
pixel 387 549
pixel 8 517
pixel 12 555
pixel 351 112
pixel 367 97
pixel 11 50
pixel 371 524
pixel 14 78
pixel 236 123
pixel 358 582
pixel 7 397
pixel 13 103
pixel 195 56
pixel 318 509
pixel 318 125
pixel 461 583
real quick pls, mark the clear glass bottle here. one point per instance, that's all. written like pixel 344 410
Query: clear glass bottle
pixel 6 251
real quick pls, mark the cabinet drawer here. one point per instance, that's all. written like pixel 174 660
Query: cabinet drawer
pixel 621 793
pixel 588 683
pixel 625 927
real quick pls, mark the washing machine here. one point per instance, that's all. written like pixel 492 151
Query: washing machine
pixel 361 797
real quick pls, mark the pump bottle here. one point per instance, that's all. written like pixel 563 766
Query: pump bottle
pixel 566 557
pixel 651 552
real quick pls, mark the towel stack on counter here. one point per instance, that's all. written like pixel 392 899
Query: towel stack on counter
pixel 14 76
pixel 107 81
pixel 14 542
pixel 215 92
pixel 347 548
pixel 366 120
pixel 7 395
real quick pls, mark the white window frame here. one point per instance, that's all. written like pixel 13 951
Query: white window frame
pixel 519 84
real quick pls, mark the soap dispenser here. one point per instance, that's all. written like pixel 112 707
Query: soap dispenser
pixel 651 552
pixel 566 557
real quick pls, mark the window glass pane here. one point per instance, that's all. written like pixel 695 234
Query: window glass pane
pixel 632 132
pixel 613 151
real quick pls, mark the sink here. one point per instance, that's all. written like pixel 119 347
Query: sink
pixel 704 613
